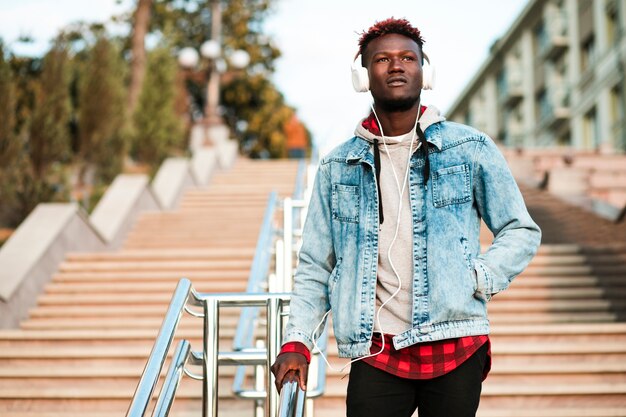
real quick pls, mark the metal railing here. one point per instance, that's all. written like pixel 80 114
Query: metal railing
pixel 185 299
pixel 261 355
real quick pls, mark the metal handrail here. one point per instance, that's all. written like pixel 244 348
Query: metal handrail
pixel 292 399
pixel 172 380
pixel 210 356
pixel 258 273
pixel 150 375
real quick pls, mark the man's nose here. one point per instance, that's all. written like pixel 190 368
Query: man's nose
pixel 396 65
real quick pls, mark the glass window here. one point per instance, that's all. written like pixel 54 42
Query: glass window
pixel 588 53
pixel 612 26
pixel 541 38
pixel 545 107
pixel 590 130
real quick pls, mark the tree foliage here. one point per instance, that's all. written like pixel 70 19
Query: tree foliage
pixel 247 96
pixel 101 111
pixel 34 136
pixel 157 128
pixel 49 137
pixel 9 145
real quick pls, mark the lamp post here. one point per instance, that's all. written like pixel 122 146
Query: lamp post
pixel 212 51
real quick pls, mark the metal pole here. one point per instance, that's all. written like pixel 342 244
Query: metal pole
pixel 209 369
pixel 213 85
pixel 150 377
pixel 274 331
pixel 278 284
pixel 287 239
pixel 172 380
pixel 259 384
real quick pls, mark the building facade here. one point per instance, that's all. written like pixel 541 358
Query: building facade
pixel 555 79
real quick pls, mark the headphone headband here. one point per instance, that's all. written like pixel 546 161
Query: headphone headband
pixel 361 81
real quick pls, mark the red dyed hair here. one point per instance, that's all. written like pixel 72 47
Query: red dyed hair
pixel 387 26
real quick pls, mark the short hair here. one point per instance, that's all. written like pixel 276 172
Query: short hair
pixel 387 26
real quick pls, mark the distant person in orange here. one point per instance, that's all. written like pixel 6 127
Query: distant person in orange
pixel 391 245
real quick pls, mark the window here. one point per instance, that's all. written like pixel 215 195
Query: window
pixel 591 139
pixel 564 139
pixel 501 83
pixel 545 107
pixel 541 38
pixel 587 53
pixel 617 117
pixel 612 26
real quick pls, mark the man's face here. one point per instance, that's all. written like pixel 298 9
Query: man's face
pixel 395 71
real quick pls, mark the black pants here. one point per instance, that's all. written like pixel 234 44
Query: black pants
pixel 372 392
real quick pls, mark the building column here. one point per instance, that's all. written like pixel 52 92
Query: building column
pixel 528 104
pixel 573 68
pixel 491 106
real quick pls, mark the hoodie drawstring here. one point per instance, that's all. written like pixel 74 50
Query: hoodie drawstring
pixel 381 217
pixel 424 142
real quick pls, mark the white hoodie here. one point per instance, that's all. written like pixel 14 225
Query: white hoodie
pixel 395 317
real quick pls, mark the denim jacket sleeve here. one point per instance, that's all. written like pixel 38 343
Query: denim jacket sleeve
pixel 501 206
pixel 310 301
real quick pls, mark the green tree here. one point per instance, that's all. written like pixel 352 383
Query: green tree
pixel 262 107
pixel 101 113
pixel 157 128
pixel 246 95
pixel 9 144
pixel 34 134
pixel 49 137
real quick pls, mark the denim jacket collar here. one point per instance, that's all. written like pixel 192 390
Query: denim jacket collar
pixel 361 152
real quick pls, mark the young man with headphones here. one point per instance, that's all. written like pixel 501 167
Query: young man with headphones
pixel 391 245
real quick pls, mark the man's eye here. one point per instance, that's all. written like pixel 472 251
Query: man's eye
pixel 408 58
pixel 382 59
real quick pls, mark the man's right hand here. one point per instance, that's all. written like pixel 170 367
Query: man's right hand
pixel 290 366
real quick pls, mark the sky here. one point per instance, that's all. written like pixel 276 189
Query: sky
pixel 318 40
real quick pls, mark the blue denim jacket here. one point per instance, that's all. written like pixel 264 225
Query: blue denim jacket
pixel 452 280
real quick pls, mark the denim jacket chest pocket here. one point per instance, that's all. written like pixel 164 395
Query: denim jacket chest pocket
pixel 345 203
pixel 452 185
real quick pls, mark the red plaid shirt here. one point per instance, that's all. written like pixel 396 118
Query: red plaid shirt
pixel 419 361
pixel 426 360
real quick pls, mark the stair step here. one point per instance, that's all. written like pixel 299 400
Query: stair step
pixel 149 276
pixel 169 265
pixel 170 254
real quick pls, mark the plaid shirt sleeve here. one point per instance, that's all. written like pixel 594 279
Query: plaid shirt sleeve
pixel 426 360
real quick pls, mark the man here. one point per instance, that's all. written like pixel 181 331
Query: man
pixel 391 247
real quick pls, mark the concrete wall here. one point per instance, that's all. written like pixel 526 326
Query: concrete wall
pixel 36 248
pixel 117 211
pixel 173 177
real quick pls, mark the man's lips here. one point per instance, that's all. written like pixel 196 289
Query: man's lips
pixel 396 81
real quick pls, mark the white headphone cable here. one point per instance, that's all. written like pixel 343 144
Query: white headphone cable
pixel 397 291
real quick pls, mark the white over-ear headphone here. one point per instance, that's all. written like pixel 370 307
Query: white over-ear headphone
pixel 361 80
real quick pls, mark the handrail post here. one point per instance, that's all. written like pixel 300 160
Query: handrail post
pixel 150 376
pixel 209 369
pixel 288 244
pixel 274 331
pixel 170 385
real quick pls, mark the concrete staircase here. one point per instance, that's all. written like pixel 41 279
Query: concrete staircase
pixel 558 342
pixel 559 332
pixel 84 346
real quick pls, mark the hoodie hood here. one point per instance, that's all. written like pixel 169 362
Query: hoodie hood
pixel 369 130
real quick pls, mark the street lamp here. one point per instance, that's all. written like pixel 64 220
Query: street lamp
pixel 212 50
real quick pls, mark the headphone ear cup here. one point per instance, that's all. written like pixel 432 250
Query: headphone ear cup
pixel 360 79
pixel 428 76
